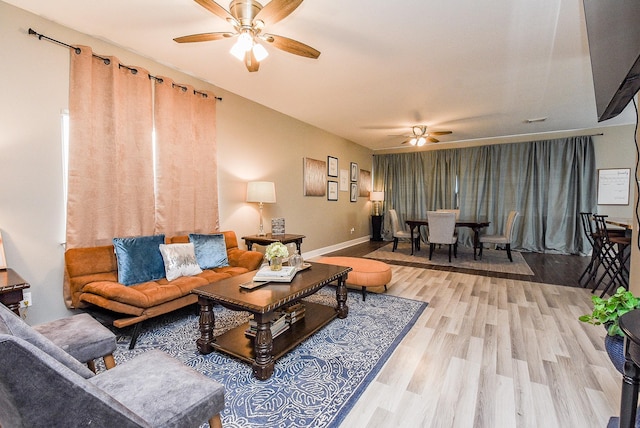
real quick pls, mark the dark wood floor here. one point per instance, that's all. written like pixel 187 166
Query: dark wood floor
pixel 547 268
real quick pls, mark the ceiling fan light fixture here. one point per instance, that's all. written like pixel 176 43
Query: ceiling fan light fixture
pixel 421 141
pixel 259 52
pixel 413 141
pixel 242 45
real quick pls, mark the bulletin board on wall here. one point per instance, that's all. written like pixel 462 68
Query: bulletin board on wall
pixel 613 186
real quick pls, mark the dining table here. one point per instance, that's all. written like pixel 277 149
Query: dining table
pixel 474 224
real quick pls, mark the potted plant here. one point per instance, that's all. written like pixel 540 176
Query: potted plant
pixel 607 312
pixel 276 253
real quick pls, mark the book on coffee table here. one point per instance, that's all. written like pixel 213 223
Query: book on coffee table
pixel 285 274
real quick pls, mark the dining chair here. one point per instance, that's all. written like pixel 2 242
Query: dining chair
pixel 441 231
pixel 397 231
pixel 456 212
pixel 504 239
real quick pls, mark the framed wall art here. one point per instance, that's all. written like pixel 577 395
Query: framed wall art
pixel 354 171
pixel 354 192
pixel 332 190
pixel 344 180
pixel 332 166
pixel 364 183
pixel 315 177
pixel 3 259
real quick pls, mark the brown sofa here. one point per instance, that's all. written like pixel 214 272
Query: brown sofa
pixel 91 278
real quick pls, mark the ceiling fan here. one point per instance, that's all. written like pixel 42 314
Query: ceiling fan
pixel 420 136
pixel 249 19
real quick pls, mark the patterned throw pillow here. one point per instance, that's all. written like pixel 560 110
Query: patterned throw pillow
pixel 179 260
pixel 139 259
pixel 211 250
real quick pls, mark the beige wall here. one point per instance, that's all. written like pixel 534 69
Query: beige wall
pixel 254 143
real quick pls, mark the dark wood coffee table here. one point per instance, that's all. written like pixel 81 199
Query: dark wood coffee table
pixel 262 302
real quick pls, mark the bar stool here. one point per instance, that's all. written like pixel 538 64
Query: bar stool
pixel 613 256
pixel 592 267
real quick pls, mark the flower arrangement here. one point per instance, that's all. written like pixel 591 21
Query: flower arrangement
pixel 277 249
pixel 608 311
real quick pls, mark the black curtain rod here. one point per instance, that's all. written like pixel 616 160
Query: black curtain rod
pixel 107 61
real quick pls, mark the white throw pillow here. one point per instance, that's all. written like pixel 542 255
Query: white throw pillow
pixel 179 260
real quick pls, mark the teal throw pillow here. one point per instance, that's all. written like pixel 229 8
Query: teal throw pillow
pixel 139 259
pixel 211 250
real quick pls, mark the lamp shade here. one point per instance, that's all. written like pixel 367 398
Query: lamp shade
pixel 376 196
pixel 261 191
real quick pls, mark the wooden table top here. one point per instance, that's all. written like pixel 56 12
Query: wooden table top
pixel 271 296
pixel 10 280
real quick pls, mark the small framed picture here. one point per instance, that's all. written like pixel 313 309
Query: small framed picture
pixel 354 171
pixel 344 180
pixel 332 166
pixel 354 192
pixel 332 190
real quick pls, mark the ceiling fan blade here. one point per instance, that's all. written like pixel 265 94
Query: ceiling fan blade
pixel 440 132
pixel 215 8
pixel 204 37
pixel 250 61
pixel 277 10
pixel 433 140
pixel 292 46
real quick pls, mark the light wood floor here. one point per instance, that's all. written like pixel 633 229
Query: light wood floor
pixel 492 352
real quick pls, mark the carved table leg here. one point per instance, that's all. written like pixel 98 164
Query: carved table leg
pixel 207 322
pixel 263 347
pixel 341 297
pixel 476 240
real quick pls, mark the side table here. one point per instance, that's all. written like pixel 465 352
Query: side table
pixel 270 238
pixel 376 227
pixel 11 286
pixel 630 326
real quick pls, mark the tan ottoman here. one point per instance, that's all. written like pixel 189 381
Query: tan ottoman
pixel 365 273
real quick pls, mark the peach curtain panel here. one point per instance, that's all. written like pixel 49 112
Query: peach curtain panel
pixel 111 183
pixel 186 159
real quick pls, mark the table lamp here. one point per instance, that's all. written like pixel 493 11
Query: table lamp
pixel 376 198
pixel 262 192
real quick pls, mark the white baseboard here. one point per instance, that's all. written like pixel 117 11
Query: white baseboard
pixel 320 251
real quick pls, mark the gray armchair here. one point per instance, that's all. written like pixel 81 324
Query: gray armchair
pixel 42 386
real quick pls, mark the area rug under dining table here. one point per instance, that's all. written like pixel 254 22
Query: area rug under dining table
pixel 492 260
pixel 314 385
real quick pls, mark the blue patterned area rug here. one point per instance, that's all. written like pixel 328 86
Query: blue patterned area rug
pixel 315 385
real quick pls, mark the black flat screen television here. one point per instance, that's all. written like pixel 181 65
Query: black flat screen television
pixel 613 31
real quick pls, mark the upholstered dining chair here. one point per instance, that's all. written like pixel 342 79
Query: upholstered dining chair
pixel 504 239
pixel 397 231
pixel 456 212
pixel 441 231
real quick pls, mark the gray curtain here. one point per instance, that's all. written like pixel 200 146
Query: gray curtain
pixel 550 182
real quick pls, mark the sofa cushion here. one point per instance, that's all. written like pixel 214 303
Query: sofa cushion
pixel 211 250
pixel 139 259
pixel 179 260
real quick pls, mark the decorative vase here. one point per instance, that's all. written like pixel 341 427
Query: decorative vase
pixel 276 263
pixel 296 260
pixel 615 349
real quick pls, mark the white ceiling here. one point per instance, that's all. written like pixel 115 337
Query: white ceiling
pixel 477 68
